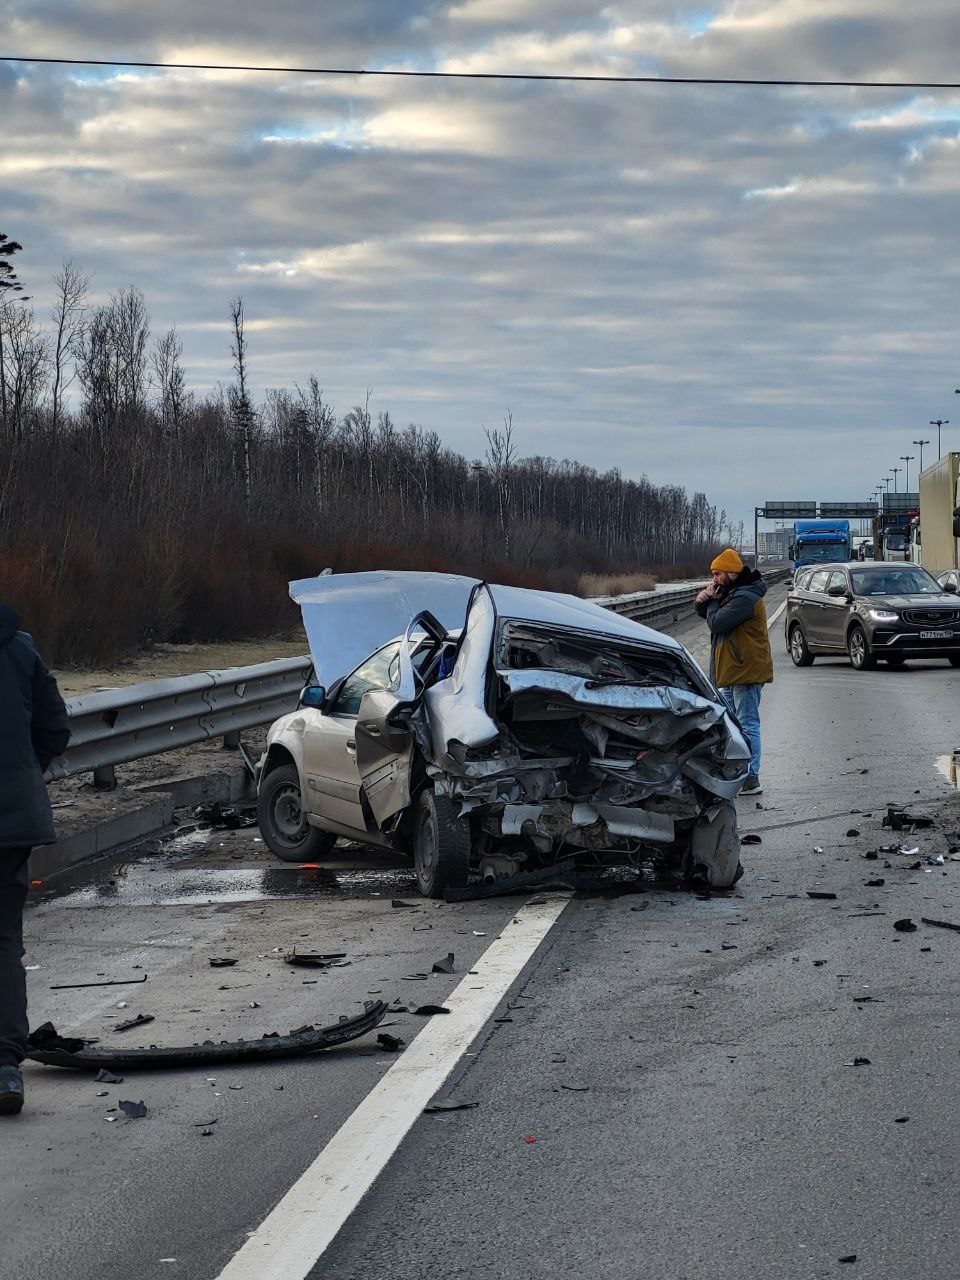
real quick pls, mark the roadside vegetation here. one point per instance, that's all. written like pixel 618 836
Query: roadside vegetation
pixel 133 511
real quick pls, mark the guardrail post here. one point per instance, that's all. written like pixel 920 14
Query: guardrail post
pixel 231 740
pixel 105 778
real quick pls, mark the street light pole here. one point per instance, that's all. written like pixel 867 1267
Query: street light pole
pixel 895 471
pixel 938 423
pixel 886 480
pixel 921 443
pixel 907 458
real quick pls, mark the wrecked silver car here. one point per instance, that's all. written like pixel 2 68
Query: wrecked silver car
pixel 492 732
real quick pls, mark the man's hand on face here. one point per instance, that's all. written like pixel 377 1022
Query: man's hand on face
pixel 707 593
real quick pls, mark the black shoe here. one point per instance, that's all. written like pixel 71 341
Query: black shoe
pixel 752 786
pixel 11 1091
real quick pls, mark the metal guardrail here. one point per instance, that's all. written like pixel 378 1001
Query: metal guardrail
pixel 645 606
pixel 116 726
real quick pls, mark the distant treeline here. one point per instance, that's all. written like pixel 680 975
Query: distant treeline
pixel 133 511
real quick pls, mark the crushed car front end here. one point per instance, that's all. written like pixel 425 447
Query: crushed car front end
pixel 551 733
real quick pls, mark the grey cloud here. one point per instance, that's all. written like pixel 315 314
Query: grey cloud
pixel 591 257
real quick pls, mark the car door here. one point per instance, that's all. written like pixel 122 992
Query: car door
pixel 332 779
pixel 384 734
pixel 812 610
pixel 835 612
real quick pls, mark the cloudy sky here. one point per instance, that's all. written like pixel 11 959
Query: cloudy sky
pixel 746 290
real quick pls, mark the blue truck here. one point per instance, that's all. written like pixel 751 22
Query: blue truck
pixel 820 541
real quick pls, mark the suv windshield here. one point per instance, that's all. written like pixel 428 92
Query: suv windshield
pixel 894 582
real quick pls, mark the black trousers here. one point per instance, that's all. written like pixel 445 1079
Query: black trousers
pixel 14 881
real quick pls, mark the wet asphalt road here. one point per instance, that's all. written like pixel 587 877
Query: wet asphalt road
pixel 682 1064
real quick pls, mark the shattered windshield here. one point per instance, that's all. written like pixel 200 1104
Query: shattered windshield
pixel 894 582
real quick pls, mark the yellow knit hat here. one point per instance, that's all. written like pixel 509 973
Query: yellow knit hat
pixel 727 562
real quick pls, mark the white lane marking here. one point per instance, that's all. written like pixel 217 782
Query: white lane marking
pixel 780 608
pixel 290 1240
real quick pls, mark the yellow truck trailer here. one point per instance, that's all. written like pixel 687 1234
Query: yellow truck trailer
pixel 940 514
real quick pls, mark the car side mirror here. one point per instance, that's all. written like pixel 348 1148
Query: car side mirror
pixel 313 696
pixel 837 591
pixel 951 587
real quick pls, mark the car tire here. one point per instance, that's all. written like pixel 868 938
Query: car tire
pixel 858 647
pixel 441 845
pixel 954 660
pixel 283 824
pixel 895 659
pixel 797 646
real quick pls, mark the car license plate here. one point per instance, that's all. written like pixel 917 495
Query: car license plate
pixel 936 635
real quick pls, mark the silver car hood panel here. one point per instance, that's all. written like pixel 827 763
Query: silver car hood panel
pixel 348 616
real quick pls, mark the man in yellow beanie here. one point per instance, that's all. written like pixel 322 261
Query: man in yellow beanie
pixel 740 659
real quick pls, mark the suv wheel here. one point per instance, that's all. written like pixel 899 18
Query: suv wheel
pixel 283 822
pixel 441 845
pixel 801 655
pixel 861 659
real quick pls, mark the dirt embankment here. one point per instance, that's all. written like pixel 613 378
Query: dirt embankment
pixel 166 660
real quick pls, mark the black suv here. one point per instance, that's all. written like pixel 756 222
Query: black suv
pixel 878 610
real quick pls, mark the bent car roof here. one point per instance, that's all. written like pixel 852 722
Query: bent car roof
pixel 349 615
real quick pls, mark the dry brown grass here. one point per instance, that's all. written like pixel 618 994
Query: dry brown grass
pixel 614 584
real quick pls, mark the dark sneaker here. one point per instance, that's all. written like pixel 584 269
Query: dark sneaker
pixel 752 786
pixel 11 1091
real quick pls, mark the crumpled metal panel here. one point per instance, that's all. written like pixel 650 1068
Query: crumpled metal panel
pixel 456 707
pixel 710 780
pixel 624 820
pixel 515 815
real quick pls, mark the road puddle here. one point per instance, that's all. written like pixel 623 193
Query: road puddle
pixel 184 881
pixel 949 767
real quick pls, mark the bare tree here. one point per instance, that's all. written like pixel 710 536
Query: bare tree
pixel 170 380
pixel 9 285
pixel 67 316
pixel 501 456
pixel 26 368
pixel 241 408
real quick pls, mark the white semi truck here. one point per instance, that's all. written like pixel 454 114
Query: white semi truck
pixel 939 530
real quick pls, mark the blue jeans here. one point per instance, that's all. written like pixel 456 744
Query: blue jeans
pixel 743 702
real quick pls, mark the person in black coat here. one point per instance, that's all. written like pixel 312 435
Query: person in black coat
pixel 33 730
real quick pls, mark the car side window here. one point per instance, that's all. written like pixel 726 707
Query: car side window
pixel 372 674
pixel 837 579
pixel 818 581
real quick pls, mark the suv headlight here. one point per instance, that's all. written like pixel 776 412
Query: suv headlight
pixel 883 615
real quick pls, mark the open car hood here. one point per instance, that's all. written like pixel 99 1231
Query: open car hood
pixel 349 615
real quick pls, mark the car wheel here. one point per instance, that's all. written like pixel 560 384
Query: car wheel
pixel 954 660
pixel 895 659
pixel 801 655
pixel 861 659
pixel 283 822
pixel 441 845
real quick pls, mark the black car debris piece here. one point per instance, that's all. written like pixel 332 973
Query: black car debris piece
pixel 900 820
pixel 86 1057
pixel 135 1110
pixel 317 959
pixel 140 1020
